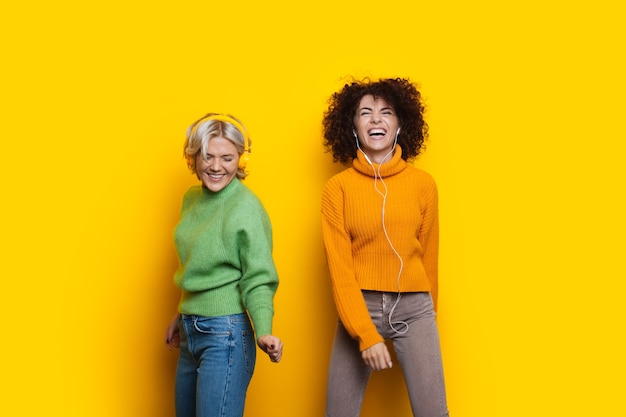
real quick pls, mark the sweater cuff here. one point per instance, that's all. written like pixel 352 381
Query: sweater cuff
pixel 369 339
pixel 261 320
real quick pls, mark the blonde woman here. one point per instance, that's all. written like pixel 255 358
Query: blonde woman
pixel 226 275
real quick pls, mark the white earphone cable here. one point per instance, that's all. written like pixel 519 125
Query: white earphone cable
pixel 377 177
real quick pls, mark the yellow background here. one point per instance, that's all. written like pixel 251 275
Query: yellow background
pixel 526 109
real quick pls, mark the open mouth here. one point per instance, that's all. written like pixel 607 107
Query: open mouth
pixel 377 133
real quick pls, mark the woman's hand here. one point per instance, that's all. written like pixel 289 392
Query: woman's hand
pixel 272 346
pixel 172 336
pixel 377 357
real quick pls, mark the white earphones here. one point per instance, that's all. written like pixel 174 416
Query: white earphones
pixel 377 176
pixel 356 138
pixel 395 141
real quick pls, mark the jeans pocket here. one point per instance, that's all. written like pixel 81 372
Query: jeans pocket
pixel 211 326
pixel 248 346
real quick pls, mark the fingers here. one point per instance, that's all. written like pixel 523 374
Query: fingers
pixel 377 357
pixel 168 339
pixel 173 341
pixel 276 356
pixel 387 360
pixel 271 345
pixel 172 335
pixel 275 352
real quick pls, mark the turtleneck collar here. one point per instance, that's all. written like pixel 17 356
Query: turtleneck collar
pixel 394 166
pixel 229 189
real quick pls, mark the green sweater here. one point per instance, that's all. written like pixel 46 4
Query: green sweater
pixel 224 245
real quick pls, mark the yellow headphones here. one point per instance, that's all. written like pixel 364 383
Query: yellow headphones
pixel 245 155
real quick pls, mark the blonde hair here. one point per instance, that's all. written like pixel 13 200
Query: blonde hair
pixel 214 125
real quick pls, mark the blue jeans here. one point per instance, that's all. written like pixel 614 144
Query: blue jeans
pixel 216 362
pixel 417 350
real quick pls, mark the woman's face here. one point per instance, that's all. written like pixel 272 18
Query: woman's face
pixel 219 166
pixel 376 125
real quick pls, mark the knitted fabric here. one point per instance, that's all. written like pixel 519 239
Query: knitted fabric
pixel 358 253
pixel 224 246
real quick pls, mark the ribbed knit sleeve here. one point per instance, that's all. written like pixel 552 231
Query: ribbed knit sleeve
pixel 259 280
pixel 429 237
pixel 380 227
pixel 347 294
pixel 224 245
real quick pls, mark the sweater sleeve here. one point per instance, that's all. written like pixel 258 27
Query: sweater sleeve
pixel 349 300
pixel 259 280
pixel 429 237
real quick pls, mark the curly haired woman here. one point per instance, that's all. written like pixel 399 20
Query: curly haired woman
pixel 381 236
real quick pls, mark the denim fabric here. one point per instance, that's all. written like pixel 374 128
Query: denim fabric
pixel 417 350
pixel 216 362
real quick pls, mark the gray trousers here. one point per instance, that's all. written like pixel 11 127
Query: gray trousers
pixel 417 349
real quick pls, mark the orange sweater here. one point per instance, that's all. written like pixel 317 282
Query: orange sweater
pixel 358 254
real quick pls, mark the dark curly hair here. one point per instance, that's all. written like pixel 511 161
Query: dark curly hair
pixel 401 94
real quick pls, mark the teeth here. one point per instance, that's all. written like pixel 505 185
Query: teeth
pixel 377 132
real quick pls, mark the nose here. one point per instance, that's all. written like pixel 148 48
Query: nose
pixel 214 165
pixel 376 117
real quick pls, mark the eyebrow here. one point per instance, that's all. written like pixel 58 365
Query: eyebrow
pixel 370 109
pixel 221 156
